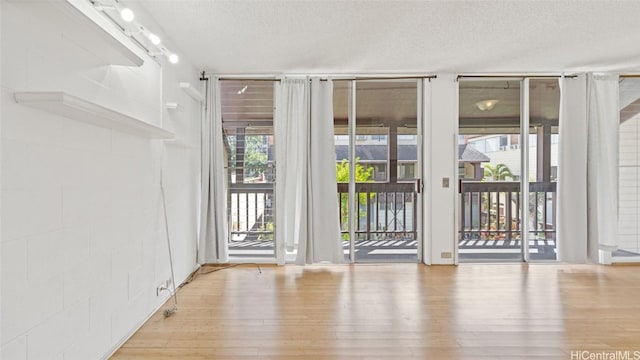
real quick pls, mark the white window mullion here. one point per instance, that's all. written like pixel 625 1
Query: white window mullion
pixel 524 163
pixel 418 170
pixel 278 234
pixel 352 173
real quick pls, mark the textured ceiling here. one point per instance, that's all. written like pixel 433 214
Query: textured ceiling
pixel 248 37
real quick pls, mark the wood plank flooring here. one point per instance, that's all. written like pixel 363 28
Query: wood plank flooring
pixel 398 311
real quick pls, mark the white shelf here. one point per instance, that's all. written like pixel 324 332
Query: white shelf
pixel 191 91
pixel 72 107
pixel 82 24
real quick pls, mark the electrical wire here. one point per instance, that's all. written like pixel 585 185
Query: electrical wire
pixel 174 309
pixel 200 271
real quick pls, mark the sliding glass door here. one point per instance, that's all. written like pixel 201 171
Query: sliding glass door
pixel 341 114
pixel 378 166
pixel 247 119
pixel 544 110
pixel 507 142
pixel 489 170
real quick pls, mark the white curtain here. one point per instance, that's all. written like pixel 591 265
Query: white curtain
pixel 212 242
pixel 571 236
pixel 602 166
pixel 291 129
pixel 323 242
pixel 307 219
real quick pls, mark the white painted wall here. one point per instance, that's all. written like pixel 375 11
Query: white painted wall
pixel 82 233
pixel 1 317
pixel 441 158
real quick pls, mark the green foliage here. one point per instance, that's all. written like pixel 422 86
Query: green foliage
pixel 255 159
pixel 342 176
pixel 362 174
pixel 498 172
pixel 230 143
pixel 255 163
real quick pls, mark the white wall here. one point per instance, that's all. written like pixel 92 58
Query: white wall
pixel 441 158
pixel 82 233
pixel 1 317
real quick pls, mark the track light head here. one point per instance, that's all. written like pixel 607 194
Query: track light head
pixel 155 40
pixel 127 15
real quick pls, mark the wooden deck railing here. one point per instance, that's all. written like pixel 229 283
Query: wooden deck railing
pixel 490 210
pixel 251 208
pixel 387 211
pixel 384 211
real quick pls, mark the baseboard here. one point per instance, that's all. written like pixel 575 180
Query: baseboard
pixel 626 261
pixel 122 341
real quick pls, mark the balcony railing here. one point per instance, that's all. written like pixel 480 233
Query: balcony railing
pixel 384 211
pixel 490 210
pixel 251 212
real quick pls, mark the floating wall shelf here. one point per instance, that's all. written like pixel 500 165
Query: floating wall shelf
pixel 78 21
pixel 72 107
pixel 191 91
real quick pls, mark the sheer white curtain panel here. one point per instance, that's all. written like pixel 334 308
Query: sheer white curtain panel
pixel 571 237
pixel 307 221
pixel 213 238
pixel 603 114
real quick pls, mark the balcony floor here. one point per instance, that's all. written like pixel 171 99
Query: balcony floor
pixel 406 250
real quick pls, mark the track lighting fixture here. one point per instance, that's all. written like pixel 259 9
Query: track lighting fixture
pixel 135 29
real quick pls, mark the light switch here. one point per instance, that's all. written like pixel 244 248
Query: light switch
pixel 445 182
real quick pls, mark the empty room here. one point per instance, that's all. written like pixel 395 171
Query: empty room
pixel 322 179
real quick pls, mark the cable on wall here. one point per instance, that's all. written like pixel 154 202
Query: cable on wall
pixel 174 308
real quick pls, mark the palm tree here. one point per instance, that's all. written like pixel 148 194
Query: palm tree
pixel 495 173
pixel 498 172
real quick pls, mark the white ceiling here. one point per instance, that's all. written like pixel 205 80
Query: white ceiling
pixel 250 37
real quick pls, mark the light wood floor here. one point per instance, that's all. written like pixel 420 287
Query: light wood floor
pixel 399 311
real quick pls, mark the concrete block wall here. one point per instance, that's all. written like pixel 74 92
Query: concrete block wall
pixel 83 243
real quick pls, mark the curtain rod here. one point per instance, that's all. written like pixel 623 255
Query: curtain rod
pixel 324 77
pixel 630 76
pixel 390 77
pixel 515 76
pixel 248 78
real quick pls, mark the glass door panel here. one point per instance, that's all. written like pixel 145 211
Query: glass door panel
pixel 489 168
pixel 386 168
pixel 247 120
pixel 544 110
pixel 341 94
